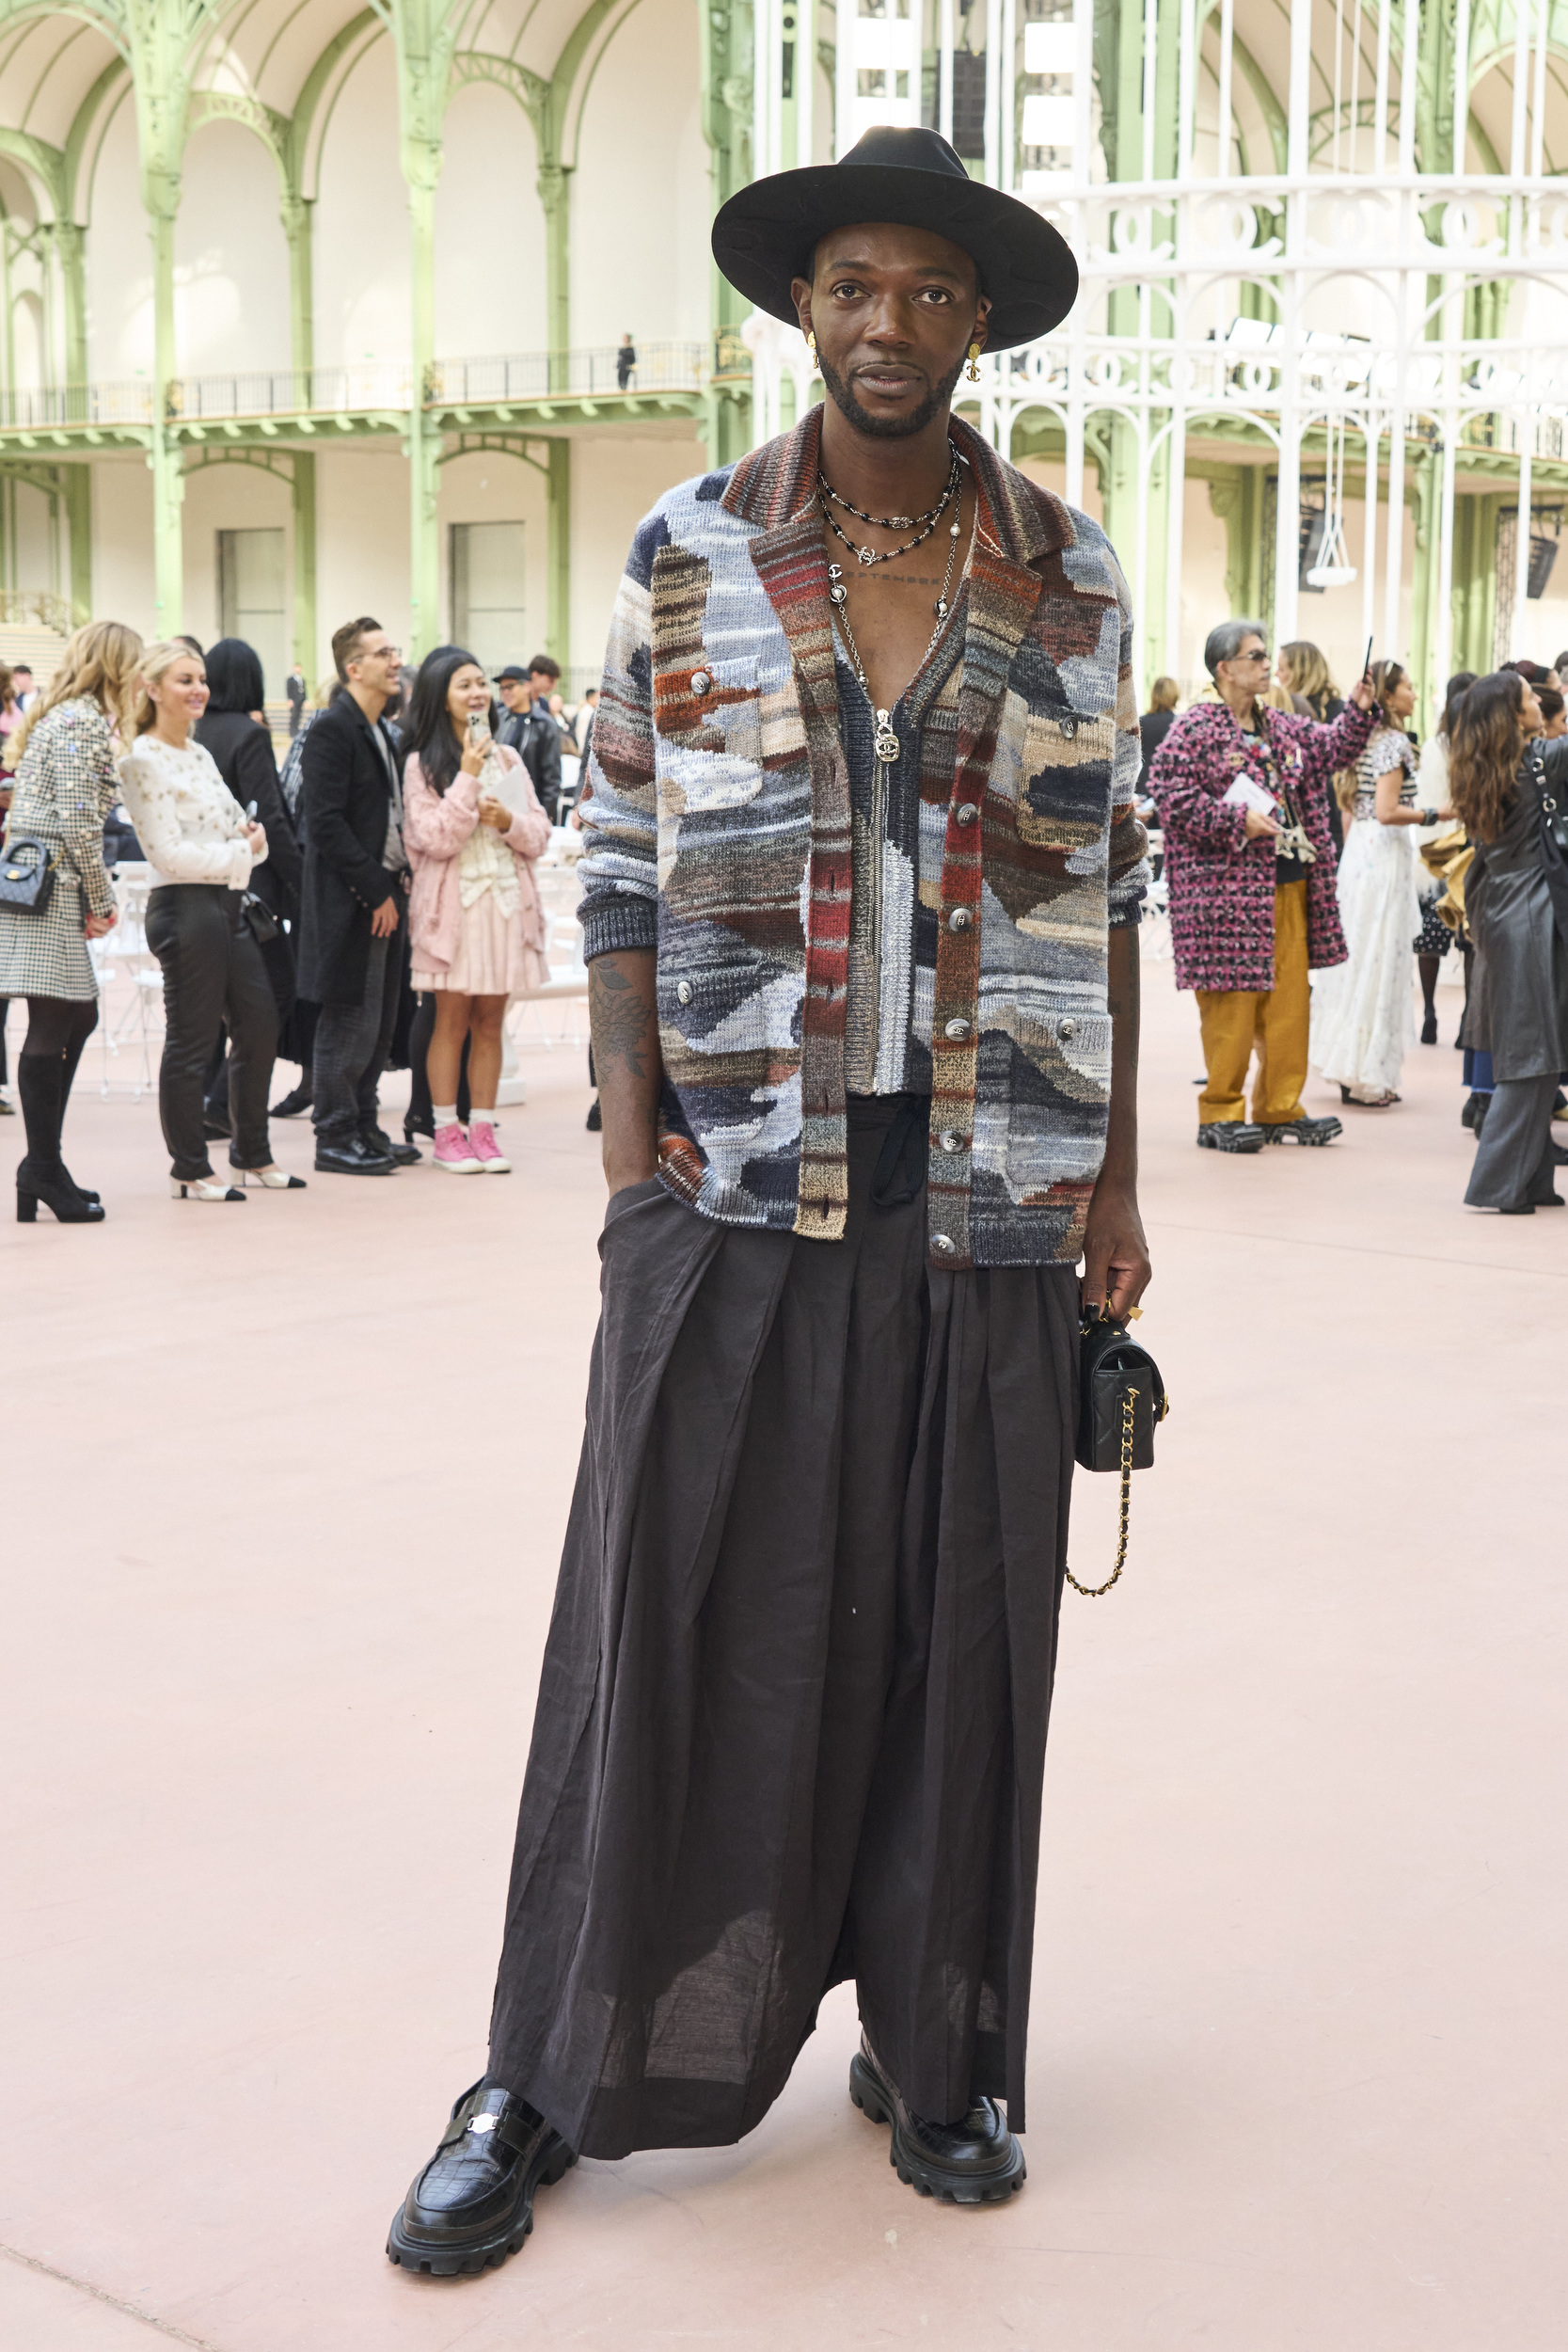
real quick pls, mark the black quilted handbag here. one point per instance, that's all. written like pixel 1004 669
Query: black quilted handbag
pixel 1120 1397
pixel 27 875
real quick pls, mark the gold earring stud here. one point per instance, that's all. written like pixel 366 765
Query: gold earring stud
pixel 972 370
pixel 810 343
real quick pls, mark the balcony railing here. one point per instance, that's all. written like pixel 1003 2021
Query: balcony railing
pixel 379 386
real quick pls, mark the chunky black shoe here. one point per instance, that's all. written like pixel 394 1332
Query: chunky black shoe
pixel 352 1157
pixel 1303 1131
pixel 975 2162
pixel 403 1154
pixel 1429 1029
pixel 1229 1134
pixel 296 1101
pixel 473 2203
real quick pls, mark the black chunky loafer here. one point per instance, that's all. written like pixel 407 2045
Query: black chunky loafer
pixel 1229 1134
pixel 1308 1131
pixel 473 2203
pixel 975 2162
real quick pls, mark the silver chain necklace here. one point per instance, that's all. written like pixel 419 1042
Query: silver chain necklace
pixel 887 745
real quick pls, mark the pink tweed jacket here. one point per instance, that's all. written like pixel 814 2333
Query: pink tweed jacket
pixel 434 831
pixel 1222 884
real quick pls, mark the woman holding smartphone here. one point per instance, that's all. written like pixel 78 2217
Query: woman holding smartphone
pixel 472 827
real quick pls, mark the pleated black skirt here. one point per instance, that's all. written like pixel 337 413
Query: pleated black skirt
pixel 792 1716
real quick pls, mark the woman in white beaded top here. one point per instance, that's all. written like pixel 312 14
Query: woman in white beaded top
pixel 201 845
pixel 1362 1019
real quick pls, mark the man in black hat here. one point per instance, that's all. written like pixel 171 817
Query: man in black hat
pixel 529 728
pixel 859 909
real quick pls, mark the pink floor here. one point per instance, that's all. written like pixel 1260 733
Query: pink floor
pixel 283 1494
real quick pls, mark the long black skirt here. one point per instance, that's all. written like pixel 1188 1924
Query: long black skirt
pixel 792 1716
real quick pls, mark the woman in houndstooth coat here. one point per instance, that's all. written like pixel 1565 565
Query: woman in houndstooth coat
pixel 65 783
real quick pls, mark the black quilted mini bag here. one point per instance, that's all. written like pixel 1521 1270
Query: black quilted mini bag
pixel 27 875
pixel 1120 1397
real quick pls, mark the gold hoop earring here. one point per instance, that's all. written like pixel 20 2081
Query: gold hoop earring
pixel 811 346
pixel 972 370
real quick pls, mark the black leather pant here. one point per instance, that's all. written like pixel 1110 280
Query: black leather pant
pixel 212 974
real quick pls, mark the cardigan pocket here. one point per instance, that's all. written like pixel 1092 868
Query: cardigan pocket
pixel 1064 799
pixel 709 732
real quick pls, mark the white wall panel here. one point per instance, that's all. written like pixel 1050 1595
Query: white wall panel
pixel 489 229
pixel 122 542
pixel 614 483
pixel 361 542
pixel 488 487
pixel 119 259
pixel 228 497
pixel 640 204
pixel 231 257
pixel 361 226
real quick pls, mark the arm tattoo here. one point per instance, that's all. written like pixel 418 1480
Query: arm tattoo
pixel 617 1017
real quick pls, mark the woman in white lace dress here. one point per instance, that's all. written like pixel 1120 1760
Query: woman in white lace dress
pixel 1362 1011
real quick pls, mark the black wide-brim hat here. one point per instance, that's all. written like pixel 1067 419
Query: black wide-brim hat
pixel 765 237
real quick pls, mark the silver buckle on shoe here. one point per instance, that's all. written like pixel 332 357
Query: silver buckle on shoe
pixel 483 2122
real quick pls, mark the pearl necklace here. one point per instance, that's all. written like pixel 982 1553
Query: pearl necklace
pixel 869 556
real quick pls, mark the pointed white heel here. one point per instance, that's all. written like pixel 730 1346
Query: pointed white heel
pixel 203 1188
pixel 272 1179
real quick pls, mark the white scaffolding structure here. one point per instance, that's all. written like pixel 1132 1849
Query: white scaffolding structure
pixel 1363 293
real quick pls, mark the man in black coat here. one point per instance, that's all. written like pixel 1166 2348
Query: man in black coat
pixel 530 729
pixel 355 894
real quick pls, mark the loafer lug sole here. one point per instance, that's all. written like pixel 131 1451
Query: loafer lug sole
pixel 467 2258
pixel 916 2170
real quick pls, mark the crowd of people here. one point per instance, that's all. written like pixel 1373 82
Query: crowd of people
pixel 1301 914
pixel 372 902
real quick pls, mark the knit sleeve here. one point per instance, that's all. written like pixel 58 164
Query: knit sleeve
pixel 86 788
pixel 1128 876
pixel 619 908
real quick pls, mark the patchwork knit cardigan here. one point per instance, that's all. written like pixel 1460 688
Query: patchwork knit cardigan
pixel 1222 884
pixel 720 836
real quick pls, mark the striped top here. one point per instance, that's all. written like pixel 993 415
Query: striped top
pixel 721 836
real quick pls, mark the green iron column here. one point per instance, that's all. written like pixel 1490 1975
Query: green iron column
pixel 168 488
pixel 424 439
pixel 302 341
pixel 305 562
pixel 426 34
pixel 726 66
pixel 558 587
pixel 78 515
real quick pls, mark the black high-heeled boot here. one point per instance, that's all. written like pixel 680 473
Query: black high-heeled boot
pixel 69 1059
pixel 40 1081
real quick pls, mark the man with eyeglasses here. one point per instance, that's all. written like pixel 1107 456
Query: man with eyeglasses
pixel 1242 794
pixel 356 880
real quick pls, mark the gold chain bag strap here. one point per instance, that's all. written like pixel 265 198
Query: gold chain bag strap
pixel 1121 1398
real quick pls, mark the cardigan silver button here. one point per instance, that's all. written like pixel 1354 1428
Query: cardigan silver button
pixel 960 919
pixel 683 993
pixel 1069 725
pixel 967 814
pixel 957 1030
pixel 944 1245
pixel 951 1140
pixel 701 682
pixel 1066 1029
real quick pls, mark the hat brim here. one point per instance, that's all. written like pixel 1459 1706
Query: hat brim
pixel 763 238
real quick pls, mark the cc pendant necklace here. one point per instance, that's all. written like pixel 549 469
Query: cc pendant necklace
pixel 887 746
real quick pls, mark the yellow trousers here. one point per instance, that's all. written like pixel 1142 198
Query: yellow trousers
pixel 1275 1021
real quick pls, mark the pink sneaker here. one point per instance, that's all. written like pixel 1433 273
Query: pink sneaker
pixel 483 1144
pixel 453 1152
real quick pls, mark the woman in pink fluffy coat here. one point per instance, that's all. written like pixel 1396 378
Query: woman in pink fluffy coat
pixel 472 827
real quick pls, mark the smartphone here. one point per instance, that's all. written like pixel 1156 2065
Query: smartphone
pixel 479 725
pixel 251 812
